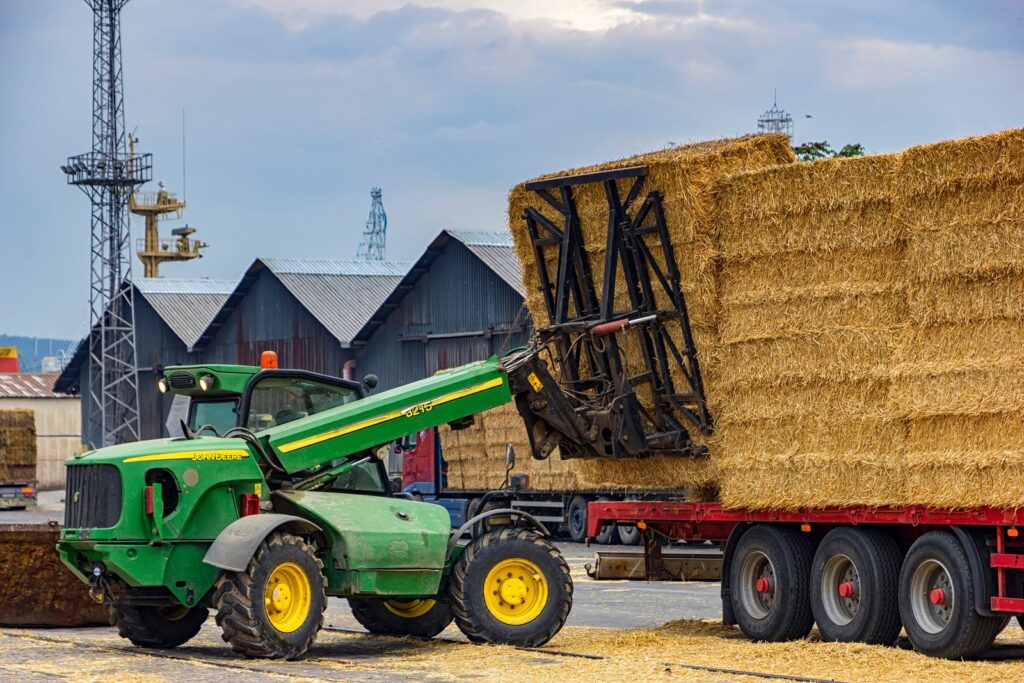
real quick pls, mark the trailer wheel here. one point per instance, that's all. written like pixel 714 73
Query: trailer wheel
pixel 576 519
pixel 770 584
pixel 421 618
pixel 157 627
pixel 511 587
pixel 936 597
pixel 854 580
pixel 628 535
pixel 606 533
pixel 274 608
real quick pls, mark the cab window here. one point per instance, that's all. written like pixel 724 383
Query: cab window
pixel 364 477
pixel 222 415
pixel 279 400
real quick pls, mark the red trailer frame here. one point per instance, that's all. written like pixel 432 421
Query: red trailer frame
pixel 711 521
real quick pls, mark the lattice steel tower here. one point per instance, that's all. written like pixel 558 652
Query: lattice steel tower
pixel 775 120
pixel 107 175
pixel 371 247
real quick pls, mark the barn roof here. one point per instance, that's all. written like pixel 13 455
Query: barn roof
pixel 29 385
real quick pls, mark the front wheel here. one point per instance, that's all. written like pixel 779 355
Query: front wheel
pixel 511 587
pixel 424 618
pixel 275 608
pixel 158 627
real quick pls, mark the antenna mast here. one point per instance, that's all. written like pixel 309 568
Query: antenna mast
pixel 371 247
pixel 775 120
pixel 108 175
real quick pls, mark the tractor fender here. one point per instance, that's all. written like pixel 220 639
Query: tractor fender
pixel 237 543
pixel 509 512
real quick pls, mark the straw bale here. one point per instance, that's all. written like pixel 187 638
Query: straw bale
pixel 969 392
pixel 981 249
pixel 965 478
pixel 18 438
pixel 865 313
pixel 656 472
pixel 948 166
pixel 979 345
pixel 966 299
pixel 974 433
pixel 866 399
pixel 878 437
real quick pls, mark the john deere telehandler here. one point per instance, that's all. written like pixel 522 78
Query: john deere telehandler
pixel 273 499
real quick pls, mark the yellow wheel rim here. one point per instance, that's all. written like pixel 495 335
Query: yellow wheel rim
pixel 410 609
pixel 287 597
pixel 515 591
pixel 174 613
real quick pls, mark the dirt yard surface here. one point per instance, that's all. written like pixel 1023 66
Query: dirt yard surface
pixel 618 631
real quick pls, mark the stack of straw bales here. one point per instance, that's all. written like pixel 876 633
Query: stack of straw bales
pixel 686 177
pixel 476 455
pixel 17 444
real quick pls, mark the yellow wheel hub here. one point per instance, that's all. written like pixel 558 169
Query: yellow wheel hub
pixel 410 609
pixel 174 613
pixel 287 597
pixel 515 591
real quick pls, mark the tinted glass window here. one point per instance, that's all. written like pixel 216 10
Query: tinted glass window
pixel 363 478
pixel 221 415
pixel 279 400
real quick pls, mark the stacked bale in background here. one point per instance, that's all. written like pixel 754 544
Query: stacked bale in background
pixel 812 296
pixel 476 455
pixel 17 444
pixel 959 373
pixel 685 176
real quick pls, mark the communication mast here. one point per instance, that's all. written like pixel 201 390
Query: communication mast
pixel 371 247
pixel 775 120
pixel 152 249
pixel 108 175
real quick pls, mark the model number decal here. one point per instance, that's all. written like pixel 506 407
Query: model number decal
pixel 425 407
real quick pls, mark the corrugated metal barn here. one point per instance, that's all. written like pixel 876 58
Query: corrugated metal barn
pixel 57 418
pixel 170 316
pixel 462 301
pixel 307 310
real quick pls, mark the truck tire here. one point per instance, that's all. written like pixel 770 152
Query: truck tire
pixel 158 627
pixel 936 596
pixel 770 584
pixel 628 535
pixel 421 618
pixel 606 533
pixel 274 608
pixel 576 519
pixel 511 587
pixel 854 579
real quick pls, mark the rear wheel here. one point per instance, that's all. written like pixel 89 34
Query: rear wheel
pixel 275 608
pixel 769 581
pixel 158 627
pixel 628 535
pixel 424 618
pixel 936 596
pixel 472 508
pixel 606 533
pixel 854 580
pixel 511 587
pixel 577 519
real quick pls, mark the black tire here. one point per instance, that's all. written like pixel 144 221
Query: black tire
pixel 576 519
pixel 1020 621
pixel 952 629
pixel 472 508
pixel 157 627
pixel 468 584
pixel 606 533
pixel 242 613
pixel 782 557
pixel 420 618
pixel 628 535
pixel 865 562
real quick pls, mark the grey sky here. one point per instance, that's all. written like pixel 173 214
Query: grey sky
pixel 297 107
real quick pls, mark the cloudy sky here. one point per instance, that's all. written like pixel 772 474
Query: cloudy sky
pixel 295 108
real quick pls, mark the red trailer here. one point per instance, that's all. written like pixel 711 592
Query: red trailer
pixel 952 579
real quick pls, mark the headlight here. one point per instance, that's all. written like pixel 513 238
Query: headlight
pixel 207 382
pixel 163 386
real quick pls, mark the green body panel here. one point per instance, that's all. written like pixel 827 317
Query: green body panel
pixel 379 545
pixel 390 415
pixel 229 379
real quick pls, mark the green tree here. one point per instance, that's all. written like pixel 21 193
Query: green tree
pixel 812 151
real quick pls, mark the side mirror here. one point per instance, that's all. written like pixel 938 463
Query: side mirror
pixel 510 457
pixel 370 381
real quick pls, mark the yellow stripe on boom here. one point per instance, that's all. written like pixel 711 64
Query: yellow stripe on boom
pixel 440 400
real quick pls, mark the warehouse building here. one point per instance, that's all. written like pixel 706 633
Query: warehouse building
pixel 170 316
pixel 57 418
pixel 306 310
pixel 462 301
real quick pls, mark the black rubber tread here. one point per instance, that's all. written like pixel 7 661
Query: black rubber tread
pixel 577 534
pixel 606 533
pixel 791 553
pixel 877 558
pixel 969 633
pixel 628 535
pixel 148 627
pixel 469 609
pixel 472 508
pixel 376 618
pixel 238 598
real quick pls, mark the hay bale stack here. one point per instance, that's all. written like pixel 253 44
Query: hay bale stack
pixel 17 444
pixel 959 366
pixel 686 177
pixel 476 455
pixel 812 300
